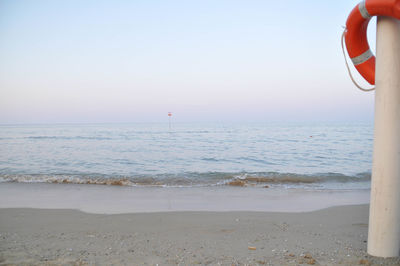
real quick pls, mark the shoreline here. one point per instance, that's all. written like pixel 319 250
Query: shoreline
pixel 331 236
pixel 115 199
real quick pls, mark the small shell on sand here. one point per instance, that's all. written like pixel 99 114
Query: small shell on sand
pixel 308 256
pixel 364 262
pixel 311 261
pixel 308 259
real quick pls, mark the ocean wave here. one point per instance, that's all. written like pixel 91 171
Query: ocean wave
pixel 255 160
pixel 67 138
pixel 241 179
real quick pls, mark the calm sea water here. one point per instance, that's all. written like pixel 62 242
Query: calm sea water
pixel 320 156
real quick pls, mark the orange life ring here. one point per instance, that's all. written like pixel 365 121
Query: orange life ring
pixel 356 33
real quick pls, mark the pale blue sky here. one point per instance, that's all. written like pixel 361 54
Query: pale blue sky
pixel 133 61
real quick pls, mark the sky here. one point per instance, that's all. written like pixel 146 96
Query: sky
pixel 134 61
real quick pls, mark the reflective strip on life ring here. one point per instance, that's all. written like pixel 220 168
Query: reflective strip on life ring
pixel 362 58
pixel 356 33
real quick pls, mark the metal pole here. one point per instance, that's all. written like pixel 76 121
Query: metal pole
pixel 384 216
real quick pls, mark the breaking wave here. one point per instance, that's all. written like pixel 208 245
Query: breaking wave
pixel 241 179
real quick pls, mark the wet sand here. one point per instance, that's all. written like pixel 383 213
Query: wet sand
pixel 116 199
pixel 332 236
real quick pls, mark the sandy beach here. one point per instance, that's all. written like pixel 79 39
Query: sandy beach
pixel 332 236
pixel 199 132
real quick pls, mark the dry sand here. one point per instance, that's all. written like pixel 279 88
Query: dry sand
pixel 331 236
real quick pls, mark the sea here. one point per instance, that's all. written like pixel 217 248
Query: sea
pixel 308 156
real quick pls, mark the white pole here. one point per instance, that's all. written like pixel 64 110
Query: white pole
pixel 384 216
